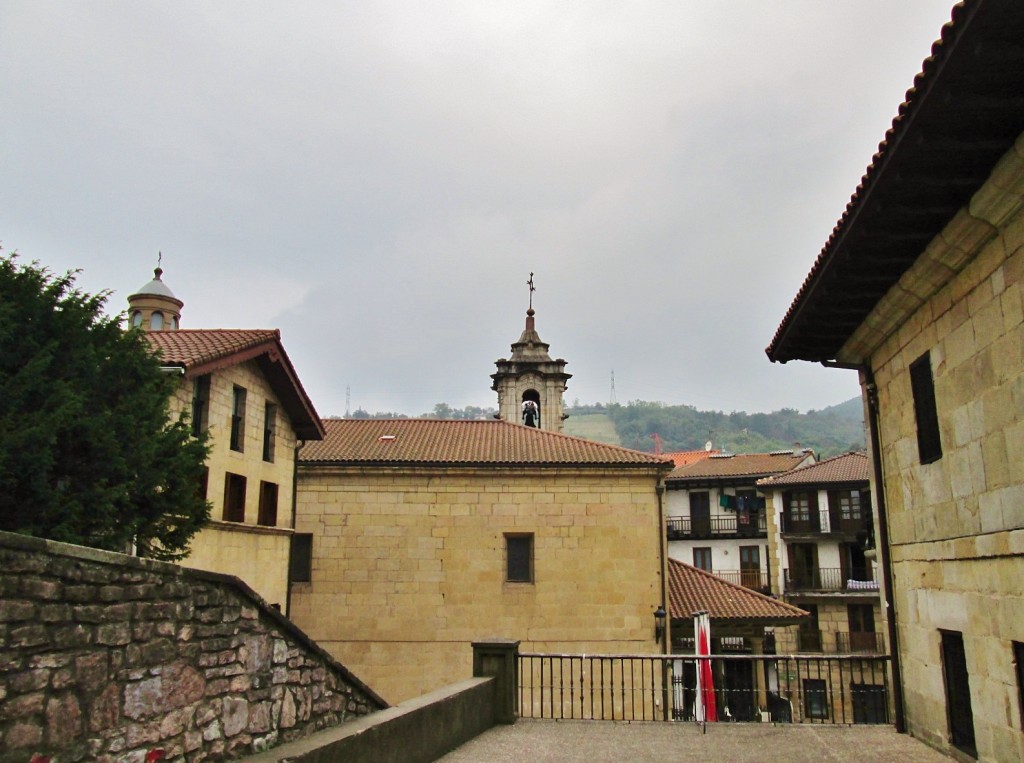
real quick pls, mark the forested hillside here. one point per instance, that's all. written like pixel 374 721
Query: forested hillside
pixel 828 432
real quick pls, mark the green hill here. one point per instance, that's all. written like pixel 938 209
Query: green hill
pixel 828 432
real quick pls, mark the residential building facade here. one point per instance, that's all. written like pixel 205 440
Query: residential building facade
pixel 920 288
pixel 239 386
pixel 821 542
pixel 715 516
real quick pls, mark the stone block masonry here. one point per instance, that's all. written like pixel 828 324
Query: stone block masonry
pixel 110 658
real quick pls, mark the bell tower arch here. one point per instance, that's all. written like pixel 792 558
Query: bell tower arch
pixel 530 376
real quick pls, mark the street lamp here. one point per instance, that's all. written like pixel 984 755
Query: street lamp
pixel 659 623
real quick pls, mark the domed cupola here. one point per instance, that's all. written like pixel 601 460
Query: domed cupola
pixel 154 307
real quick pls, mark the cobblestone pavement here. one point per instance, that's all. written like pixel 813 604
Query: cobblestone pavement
pixel 600 741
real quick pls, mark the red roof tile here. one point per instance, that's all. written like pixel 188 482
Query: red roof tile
pixel 193 347
pixel 684 457
pixel 739 465
pixel 848 467
pixel 693 590
pixel 434 441
pixel 201 351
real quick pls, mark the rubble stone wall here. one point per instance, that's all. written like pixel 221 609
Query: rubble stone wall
pixel 112 658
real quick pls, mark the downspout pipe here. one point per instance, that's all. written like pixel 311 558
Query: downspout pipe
pixel 882 543
pixel 295 497
pixel 662 541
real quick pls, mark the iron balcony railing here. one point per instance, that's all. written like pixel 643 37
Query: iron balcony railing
pixel 830 579
pixel 824 522
pixel 753 579
pixel 782 689
pixel 856 641
pixel 732 526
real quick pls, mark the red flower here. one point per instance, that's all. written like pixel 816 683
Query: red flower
pixel 154 755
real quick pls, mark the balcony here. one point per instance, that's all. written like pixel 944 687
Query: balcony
pixel 729 526
pixel 830 580
pixel 859 642
pixel 825 523
pixel 755 580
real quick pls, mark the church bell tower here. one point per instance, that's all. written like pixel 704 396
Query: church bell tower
pixel 528 376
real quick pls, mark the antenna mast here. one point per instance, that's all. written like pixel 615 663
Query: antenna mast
pixel 611 396
pixel 348 400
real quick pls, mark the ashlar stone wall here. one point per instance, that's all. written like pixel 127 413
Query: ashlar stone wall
pixel 409 565
pixel 110 658
pixel 956 525
pixel 257 554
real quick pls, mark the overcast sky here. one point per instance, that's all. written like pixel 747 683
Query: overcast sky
pixel 378 180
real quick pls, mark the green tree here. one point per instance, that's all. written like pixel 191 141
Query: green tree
pixel 88 451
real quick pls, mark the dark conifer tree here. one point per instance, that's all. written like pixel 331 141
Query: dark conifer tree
pixel 88 451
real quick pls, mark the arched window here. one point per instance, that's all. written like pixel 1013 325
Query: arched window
pixel 531 408
pixel 156 321
pixel 136 319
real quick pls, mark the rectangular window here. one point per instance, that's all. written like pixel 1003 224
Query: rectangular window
pixel 808 633
pixel 234 498
pixel 1018 661
pixel 800 507
pixel 268 504
pixel 204 483
pixel 959 713
pixel 238 420
pixel 702 558
pixel 922 385
pixel 200 404
pixel 750 567
pixel 300 565
pixel 849 505
pixel 269 430
pixel 519 558
pixel 815 698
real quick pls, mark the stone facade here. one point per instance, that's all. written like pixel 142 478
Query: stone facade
pixel 257 553
pixel 409 565
pixel 956 525
pixel 107 658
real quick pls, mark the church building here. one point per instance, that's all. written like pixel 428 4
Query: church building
pixel 423 536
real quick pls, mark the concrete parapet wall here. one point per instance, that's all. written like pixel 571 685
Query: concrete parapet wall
pixel 417 731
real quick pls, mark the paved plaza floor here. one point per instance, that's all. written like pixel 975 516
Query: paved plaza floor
pixel 533 741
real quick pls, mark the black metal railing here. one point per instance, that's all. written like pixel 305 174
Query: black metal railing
pixel 830 579
pixel 753 579
pixel 791 689
pixel 824 522
pixel 738 526
pixel 858 641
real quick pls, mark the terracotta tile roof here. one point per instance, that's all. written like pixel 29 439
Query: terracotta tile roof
pixel 962 114
pixel 692 590
pixel 684 457
pixel 846 468
pixel 193 347
pixel 739 465
pixel 434 441
pixel 202 351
